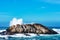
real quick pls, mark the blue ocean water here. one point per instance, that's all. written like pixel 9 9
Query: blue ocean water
pixel 40 37
pixel 54 37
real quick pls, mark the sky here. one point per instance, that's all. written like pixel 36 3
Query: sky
pixel 30 10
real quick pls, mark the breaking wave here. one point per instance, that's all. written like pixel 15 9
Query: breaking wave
pixel 15 21
pixel 57 30
pixel 2 30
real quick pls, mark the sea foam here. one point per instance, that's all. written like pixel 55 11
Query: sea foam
pixel 2 30
pixel 15 21
pixel 57 30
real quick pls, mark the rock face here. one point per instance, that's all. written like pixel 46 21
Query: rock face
pixel 29 28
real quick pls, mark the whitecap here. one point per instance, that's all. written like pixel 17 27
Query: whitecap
pixel 57 30
pixel 2 30
pixel 23 35
pixel 4 36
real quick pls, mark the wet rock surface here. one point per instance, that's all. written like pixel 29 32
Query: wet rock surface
pixel 28 28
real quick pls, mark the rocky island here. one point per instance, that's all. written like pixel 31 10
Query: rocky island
pixel 28 28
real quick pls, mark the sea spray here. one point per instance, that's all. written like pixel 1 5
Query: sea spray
pixel 15 21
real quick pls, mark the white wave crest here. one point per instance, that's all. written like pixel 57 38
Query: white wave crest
pixel 2 30
pixel 23 35
pixel 57 30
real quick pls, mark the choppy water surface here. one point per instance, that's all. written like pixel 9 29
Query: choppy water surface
pixel 31 37
pixel 40 37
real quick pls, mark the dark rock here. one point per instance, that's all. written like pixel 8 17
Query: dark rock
pixel 29 28
pixel 26 34
pixel 3 33
pixel 44 30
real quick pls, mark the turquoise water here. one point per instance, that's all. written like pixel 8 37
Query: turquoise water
pixel 53 37
pixel 40 37
pixel 56 37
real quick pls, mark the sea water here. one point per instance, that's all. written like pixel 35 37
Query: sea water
pixel 32 36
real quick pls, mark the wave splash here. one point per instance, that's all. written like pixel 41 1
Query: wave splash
pixel 15 21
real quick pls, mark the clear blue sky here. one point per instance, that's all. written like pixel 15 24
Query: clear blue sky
pixel 30 10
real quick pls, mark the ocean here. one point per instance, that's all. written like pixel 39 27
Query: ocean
pixel 32 37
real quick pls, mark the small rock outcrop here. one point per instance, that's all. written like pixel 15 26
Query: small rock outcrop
pixel 29 28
